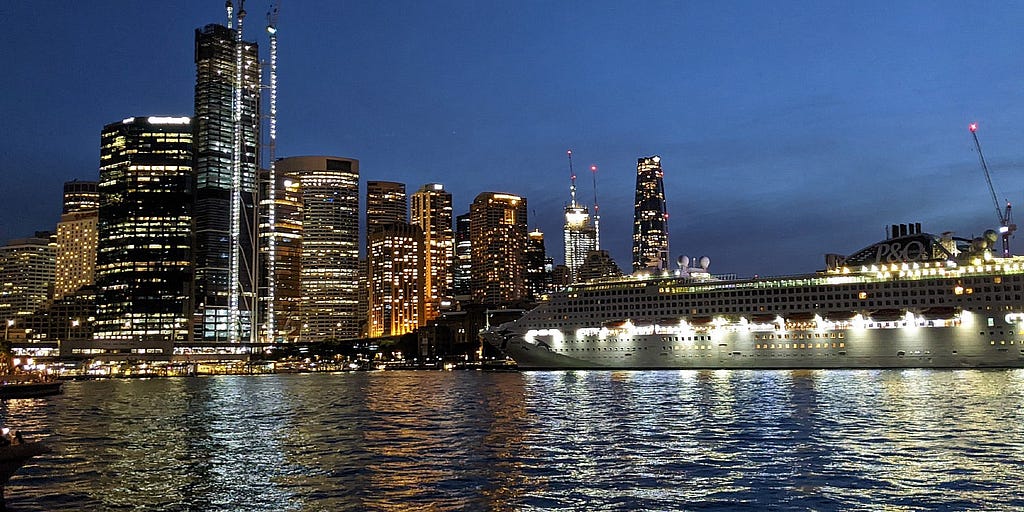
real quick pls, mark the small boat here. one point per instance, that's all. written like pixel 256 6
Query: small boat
pixel 887 315
pixel 13 456
pixel 939 313
pixel 763 318
pixel 803 316
pixel 840 316
pixel 29 389
pixel 700 320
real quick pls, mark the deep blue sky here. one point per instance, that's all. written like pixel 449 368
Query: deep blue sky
pixel 787 130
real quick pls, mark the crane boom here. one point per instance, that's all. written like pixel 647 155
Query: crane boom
pixel 988 177
pixel 1006 225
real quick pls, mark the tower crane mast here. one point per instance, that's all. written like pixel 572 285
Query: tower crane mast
pixel 1006 225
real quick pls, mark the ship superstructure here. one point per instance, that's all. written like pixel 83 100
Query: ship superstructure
pixel 912 300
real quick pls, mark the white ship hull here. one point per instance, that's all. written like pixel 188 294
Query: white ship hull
pixel 892 345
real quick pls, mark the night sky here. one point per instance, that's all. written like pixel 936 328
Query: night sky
pixel 786 130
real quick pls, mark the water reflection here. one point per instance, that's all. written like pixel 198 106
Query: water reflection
pixel 541 440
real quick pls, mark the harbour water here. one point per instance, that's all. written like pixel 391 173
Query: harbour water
pixel 665 440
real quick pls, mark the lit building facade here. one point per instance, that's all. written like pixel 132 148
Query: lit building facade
pixel 498 235
pixel 287 234
pixel 329 261
pixel 650 218
pixel 388 312
pixel 579 236
pixel 81 196
pixel 394 256
pixel 432 212
pixel 77 239
pixel 226 129
pixel 386 203
pixel 144 263
pixel 538 266
pixel 26 275
pixel 363 313
pixel 462 268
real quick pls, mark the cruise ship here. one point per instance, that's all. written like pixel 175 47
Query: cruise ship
pixel 913 300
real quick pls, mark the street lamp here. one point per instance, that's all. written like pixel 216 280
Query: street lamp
pixel 7 329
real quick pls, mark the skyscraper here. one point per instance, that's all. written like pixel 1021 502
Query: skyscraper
pixel 432 212
pixel 287 235
pixel 329 187
pixel 386 202
pixel 26 275
pixel 392 250
pixel 144 262
pixel 599 265
pixel 650 218
pixel 396 274
pixel 226 130
pixel 81 196
pixel 462 269
pixel 76 238
pixel 579 236
pixel 498 235
pixel 538 265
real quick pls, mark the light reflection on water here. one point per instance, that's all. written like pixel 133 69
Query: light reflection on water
pixel 667 440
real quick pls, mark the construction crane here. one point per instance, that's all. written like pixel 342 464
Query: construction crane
pixel 1006 225
pixel 270 312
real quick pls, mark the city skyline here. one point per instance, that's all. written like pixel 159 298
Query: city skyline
pixel 786 132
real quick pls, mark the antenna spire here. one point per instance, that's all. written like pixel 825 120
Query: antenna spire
pixel 597 215
pixel 572 180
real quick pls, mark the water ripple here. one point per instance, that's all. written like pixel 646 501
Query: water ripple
pixel 434 441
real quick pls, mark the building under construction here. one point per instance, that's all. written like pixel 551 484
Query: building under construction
pixel 227 153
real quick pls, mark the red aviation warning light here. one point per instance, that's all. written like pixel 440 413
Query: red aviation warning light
pixel 973 127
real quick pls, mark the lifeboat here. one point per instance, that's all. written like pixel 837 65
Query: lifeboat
pixel 804 316
pixel 840 316
pixel 939 313
pixel 763 318
pixel 667 321
pixel 887 315
pixel 699 320
pixel 614 324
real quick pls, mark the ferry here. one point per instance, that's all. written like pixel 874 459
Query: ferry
pixel 913 300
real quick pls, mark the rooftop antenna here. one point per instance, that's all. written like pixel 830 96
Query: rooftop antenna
pixel 572 180
pixel 597 215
